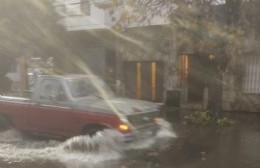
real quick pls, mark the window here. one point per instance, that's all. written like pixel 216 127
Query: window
pixel 73 8
pixel 51 88
pixel 85 7
pixel 251 81
pixel 84 87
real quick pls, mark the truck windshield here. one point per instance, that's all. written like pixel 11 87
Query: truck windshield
pixel 85 87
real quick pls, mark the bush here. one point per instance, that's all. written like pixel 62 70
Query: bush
pixel 204 117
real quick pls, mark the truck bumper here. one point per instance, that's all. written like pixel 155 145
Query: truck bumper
pixel 143 133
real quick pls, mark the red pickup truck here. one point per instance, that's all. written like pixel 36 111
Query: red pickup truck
pixel 71 105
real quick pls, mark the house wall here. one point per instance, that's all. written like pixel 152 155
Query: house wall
pixel 94 59
pixel 74 19
pixel 144 43
pixel 155 43
pixel 88 50
pixel 242 87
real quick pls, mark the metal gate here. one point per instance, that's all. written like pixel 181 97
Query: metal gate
pixel 144 80
pixel 251 80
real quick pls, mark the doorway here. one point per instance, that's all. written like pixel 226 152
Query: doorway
pixel 192 76
pixel 144 80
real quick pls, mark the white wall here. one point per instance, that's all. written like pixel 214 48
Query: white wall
pixel 73 19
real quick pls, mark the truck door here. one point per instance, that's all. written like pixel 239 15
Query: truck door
pixel 49 115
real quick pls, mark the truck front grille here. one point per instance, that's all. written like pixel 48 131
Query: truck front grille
pixel 142 118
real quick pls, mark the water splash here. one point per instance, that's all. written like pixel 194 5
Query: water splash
pixel 75 152
pixel 17 139
pixel 84 150
pixel 105 142
pixel 10 136
pixel 140 144
pixel 166 130
pixel 79 150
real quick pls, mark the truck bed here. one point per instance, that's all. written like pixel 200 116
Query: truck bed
pixel 15 99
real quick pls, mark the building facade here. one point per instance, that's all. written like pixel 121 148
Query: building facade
pixel 161 68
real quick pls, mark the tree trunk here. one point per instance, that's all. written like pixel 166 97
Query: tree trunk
pixel 215 96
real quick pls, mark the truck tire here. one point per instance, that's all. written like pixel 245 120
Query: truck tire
pixel 92 130
pixel 4 124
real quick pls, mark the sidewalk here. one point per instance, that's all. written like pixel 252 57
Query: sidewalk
pixel 174 114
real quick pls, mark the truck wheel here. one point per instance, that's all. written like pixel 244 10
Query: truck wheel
pixel 4 124
pixel 91 131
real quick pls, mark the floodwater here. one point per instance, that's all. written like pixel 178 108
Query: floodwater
pixel 184 146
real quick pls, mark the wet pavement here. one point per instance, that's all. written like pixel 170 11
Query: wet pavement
pixel 235 146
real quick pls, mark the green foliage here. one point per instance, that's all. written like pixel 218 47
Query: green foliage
pixel 224 121
pixel 197 26
pixel 199 117
pixel 204 117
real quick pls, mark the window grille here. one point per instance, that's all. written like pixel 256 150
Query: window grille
pixel 251 82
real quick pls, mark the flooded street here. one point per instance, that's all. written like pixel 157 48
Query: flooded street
pixel 77 67
pixel 192 147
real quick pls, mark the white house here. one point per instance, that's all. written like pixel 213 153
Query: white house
pixel 91 17
pixel 165 70
pixel 92 14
